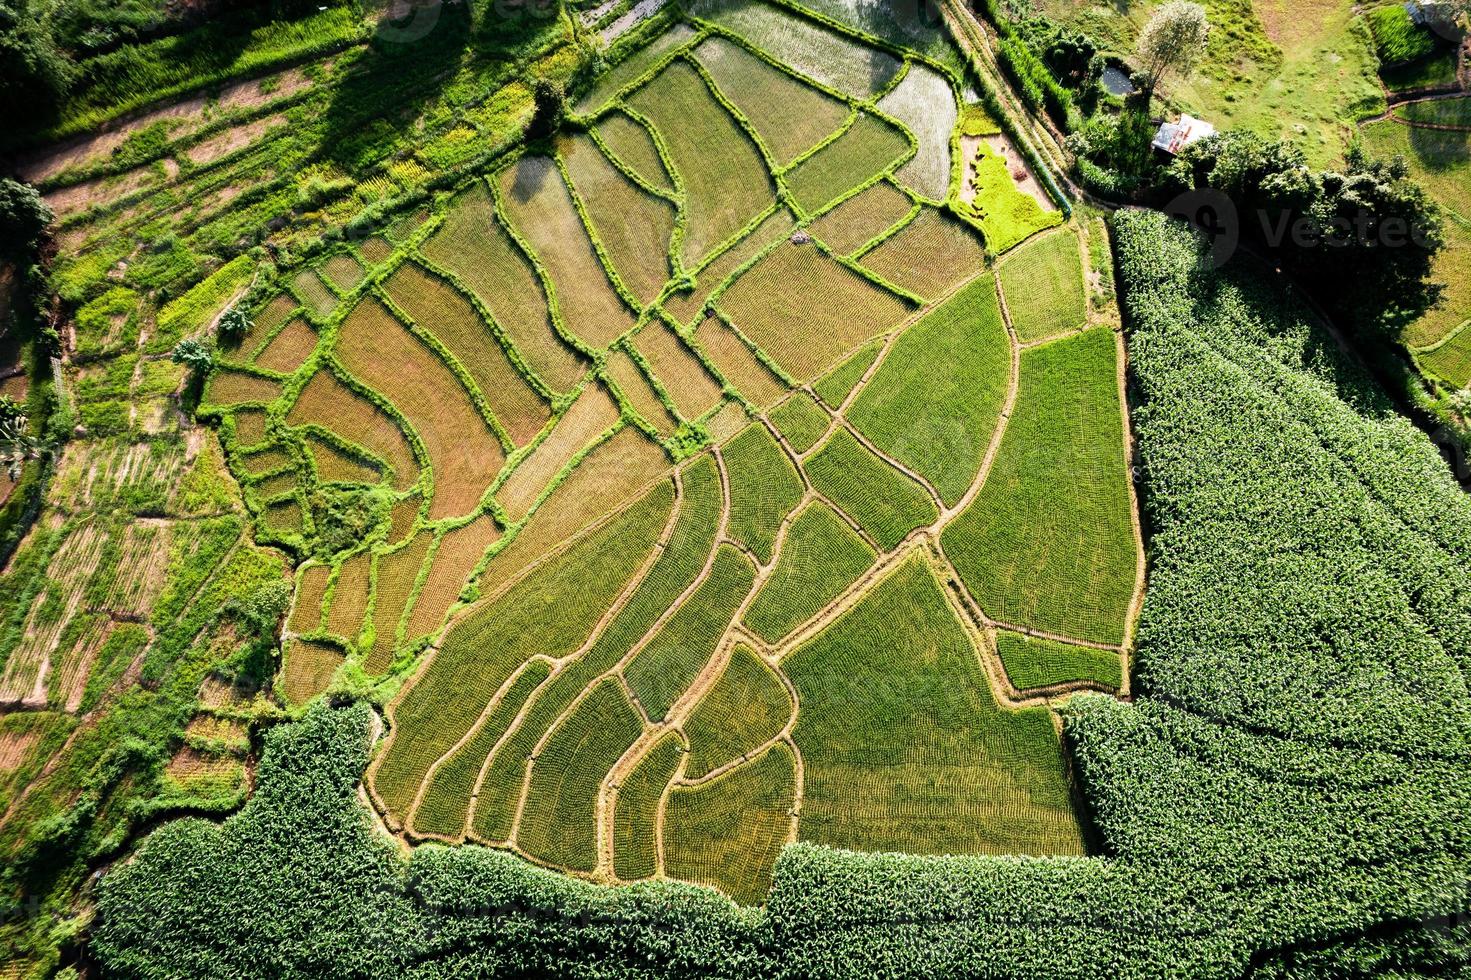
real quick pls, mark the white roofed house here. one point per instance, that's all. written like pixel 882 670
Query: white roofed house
pixel 1175 136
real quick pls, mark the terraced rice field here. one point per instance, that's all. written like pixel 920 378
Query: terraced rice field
pixel 712 477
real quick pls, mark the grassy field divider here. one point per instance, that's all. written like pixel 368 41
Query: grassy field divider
pixel 616 101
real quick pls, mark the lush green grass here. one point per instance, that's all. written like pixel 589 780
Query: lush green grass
pixel 1032 662
pixel 928 256
pixel 807 310
pixel 903 746
pixel 747 707
pixel 801 421
pixel 728 832
pixel 557 822
pixel 557 604
pixel 862 218
pixel 664 668
pixel 1048 543
pixel 724 181
pixel 763 489
pixel 789 116
pixel 1043 285
pixel 820 558
pixel 1292 68
pixel 868 147
pixel 885 503
pixel 935 399
pixel 635 851
pixel 446 803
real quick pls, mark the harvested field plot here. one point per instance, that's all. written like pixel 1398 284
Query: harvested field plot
pixel 928 256
pixel 464 455
pixel 838 62
pixel 934 401
pixel 633 226
pixel 723 179
pixel 904 747
pixel 868 148
pixel 434 306
pixel 227 388
pixel 789 116
pixel 924 102
pixel 472 245
pixel 1048 542
pixel 332 405
pixel 806 310
pixel 862 218
pixel 539 207
pixel 1043 284
pixel 690 386
pixel 289 349
pixel 459 551
pixel 314 294
pixel 334 465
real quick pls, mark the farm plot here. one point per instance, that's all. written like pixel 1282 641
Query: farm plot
pixel 866 149
pixel 464 455
pixel 629 144
pixel 633 226
pixel 330 404
pixel 473 246
pixel 540 209
pixel 834 60
pixel 1043 284
pixel 928 256
pixel 746 708
pixel 722 177
pixel 862 218
pixel 289 349
pixel 676 367
pixel 925 103
pixel 763 489
pixel 1033 662
pixel 737 363
pixel 903 745
pixel 636 387
pixel 434 306
pixel 822 557
pixel 775 227
pixel 1048 542
pixel 789 117
pixel 807 310
pixel 935 399
pixel 886 503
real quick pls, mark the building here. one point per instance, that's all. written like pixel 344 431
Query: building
pixel 1175 136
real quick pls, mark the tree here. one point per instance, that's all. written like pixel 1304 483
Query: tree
pixel 550 104
pixel 233 325
pixel 195 354
pixel 1173 40
pixel 34 75
pixel 23 219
